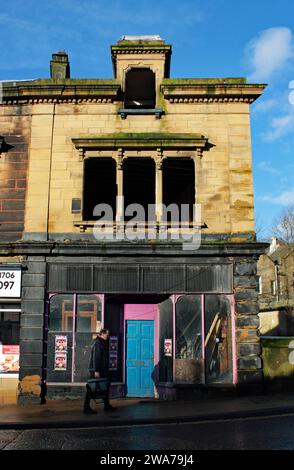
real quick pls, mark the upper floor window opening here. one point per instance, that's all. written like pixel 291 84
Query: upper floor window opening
pixel 140 89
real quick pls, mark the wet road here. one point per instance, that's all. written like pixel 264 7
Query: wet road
pixel 275 432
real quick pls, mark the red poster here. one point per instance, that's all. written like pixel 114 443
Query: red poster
pixel 60 361
pixel 61 343
pixel 168 347
pixel 9 358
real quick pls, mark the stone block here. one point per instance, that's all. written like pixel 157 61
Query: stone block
pixel 245 269
pixel 247 335
pixel 33 307
pixel 247 321
pixel 247 308
pixel 28 333
pixel 246 281
pixel 31 347
pixel 33 293
pixel 249 363
pixel 32 321
pixel 246 295
pixel 33 280
pixel 31 360
pixel 36 267
pixel 249 349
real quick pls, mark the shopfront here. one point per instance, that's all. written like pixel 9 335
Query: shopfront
pixel 10 310
pixel 158 342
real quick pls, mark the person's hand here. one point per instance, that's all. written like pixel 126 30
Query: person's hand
pixel 97 375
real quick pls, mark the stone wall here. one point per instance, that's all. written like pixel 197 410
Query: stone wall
pixel 224 183
pixel 247 323
pixel 15 122
pixel 31 333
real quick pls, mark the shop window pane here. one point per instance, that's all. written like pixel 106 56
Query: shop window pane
pixel 189 360
pixel 218 340
pixel 165 334
pixel 114 322
pixel 61 313
pixel 87 326
pixel 88 313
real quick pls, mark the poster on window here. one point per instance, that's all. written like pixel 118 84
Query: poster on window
pixel 61 343
pixel 113 352
pixel 60 360
pixel 168 347
pixel 9 359
pixel 113 362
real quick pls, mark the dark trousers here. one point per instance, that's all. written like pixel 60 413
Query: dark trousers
pixel 88 396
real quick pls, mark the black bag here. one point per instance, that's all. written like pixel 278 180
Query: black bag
pixel 97 388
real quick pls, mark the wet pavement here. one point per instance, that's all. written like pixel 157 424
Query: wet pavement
pixel 68 413
pixel 272 432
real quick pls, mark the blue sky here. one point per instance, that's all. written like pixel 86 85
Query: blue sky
pixel 216 38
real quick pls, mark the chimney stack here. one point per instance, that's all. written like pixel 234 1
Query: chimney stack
pixel 59 66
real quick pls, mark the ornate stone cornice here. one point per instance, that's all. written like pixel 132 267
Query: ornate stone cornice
pixel 142 140
pixel 65 91
pixel 210 91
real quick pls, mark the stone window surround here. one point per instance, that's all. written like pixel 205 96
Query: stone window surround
pixel 109 147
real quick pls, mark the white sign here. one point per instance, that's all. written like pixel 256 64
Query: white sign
pixel 10 283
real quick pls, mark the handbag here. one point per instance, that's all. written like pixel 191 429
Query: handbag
pixel 97 388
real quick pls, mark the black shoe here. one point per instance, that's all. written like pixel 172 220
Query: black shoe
pixel 109 408
pixel 89 411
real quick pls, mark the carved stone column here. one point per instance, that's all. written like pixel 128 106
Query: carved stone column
pixel 158 186
pixel 197 158
pixel 119 183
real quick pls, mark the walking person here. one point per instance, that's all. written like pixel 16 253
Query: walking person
pixel 99 368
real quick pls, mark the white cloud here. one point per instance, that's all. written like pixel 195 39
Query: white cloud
pixel 280 127
pixel 265 105
pixel 268 168
pixel 269 52
pixel 285 198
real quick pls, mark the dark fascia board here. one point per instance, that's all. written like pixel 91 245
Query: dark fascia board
pixel 131 249
pixel 143 140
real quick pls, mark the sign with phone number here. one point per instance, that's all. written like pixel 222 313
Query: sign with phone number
pixel 10 283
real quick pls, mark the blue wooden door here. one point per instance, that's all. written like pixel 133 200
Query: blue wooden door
pixel 140 358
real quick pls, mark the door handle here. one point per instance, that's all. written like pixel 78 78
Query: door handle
pixel 138 363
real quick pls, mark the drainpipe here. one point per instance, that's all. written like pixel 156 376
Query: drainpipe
pixel 277 280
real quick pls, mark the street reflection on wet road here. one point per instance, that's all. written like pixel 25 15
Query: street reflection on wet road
pixel 274 432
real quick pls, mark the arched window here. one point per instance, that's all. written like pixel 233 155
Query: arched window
pixel 140 89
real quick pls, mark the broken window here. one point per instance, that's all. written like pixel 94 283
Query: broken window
pixel 140 89
pixel 179 184
pixel 189 357
pixel 139 183
pixel 99 185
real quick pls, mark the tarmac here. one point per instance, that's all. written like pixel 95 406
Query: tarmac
pixel 68 413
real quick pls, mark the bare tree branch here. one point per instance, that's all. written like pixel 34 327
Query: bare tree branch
pixel 283 227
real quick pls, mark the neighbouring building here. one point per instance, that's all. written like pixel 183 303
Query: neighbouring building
pixel 275 269
pixel 182 317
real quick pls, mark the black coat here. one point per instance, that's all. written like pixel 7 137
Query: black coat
pixel 99 361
